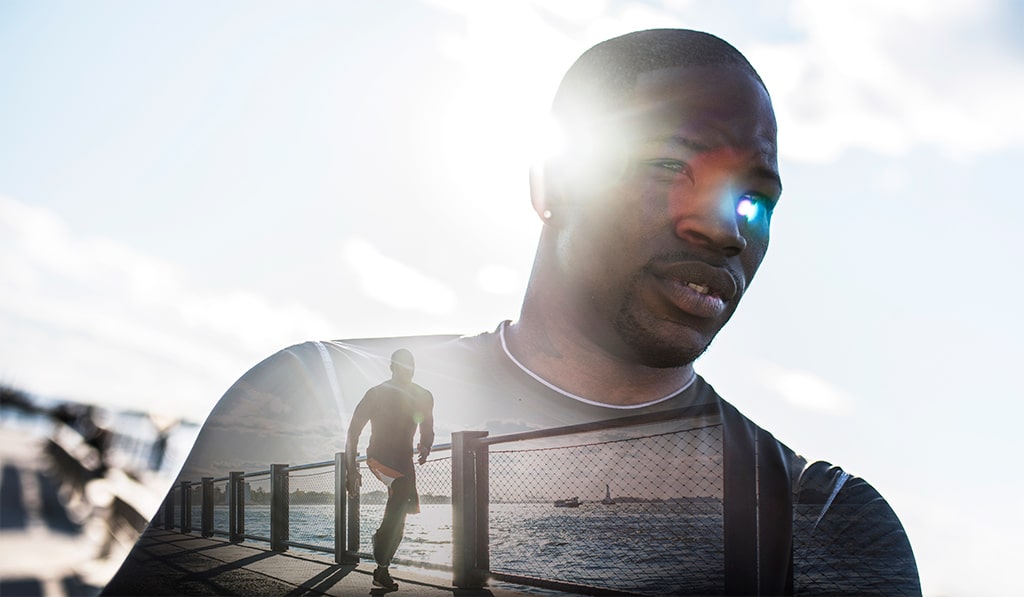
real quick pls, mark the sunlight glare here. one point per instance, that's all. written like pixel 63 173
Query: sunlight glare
pixel 550 140
pixel 747 208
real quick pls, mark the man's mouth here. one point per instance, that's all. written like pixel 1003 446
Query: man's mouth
pixel 699 288
pixel 697 300
pixel 696 288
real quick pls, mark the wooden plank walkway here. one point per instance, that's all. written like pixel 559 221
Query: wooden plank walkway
pixel 47 547
pixel 172 563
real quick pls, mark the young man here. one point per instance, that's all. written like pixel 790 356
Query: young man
pixel 394 410
pixel 655 220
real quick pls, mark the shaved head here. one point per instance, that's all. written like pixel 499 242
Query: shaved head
pixel 603 79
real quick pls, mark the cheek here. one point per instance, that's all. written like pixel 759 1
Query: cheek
pixel 598 244
pixel 753 255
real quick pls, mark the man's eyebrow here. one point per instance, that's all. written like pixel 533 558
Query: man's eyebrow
pixel 769 173
pixel 686 142
pixel 760 171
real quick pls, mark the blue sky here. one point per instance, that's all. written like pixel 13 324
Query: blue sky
pixel 187 187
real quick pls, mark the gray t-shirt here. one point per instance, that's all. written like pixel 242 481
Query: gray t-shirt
pixel 684 496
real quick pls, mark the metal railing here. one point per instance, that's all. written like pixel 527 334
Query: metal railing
pixel 504 524
pixel 509 527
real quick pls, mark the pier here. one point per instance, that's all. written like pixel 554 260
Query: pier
pixel 185 564
pixel 55 542
pixel 486 528
pixel 476 506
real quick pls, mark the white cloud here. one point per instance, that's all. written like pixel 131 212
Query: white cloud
pixel 805 390
pixel 883 76
pixel 891 76
pixel 92 319
pixel 395 283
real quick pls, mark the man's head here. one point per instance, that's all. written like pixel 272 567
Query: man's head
pixel 402 365
pixel 657 213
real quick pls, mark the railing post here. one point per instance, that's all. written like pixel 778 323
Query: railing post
pixel 470 502
pixel 206 524
pixel 236 507
pixel 169 510
pixel 186 507
pixel 353 522
pixel 279 507
pixel 341 555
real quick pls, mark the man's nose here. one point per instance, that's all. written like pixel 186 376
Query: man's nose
pixel 706 217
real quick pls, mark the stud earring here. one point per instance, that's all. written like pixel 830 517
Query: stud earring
pixel 547 214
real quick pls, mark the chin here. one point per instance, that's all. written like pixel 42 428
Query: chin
pixel 661 346
pixel 666 356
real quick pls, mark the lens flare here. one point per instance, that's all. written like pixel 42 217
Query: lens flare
pixel 747 208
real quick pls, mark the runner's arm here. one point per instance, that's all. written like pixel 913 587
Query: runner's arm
pixel 427 429
pixel 360 417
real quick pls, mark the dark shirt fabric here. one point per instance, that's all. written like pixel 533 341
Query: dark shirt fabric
pixel 803 528
pixel 395 411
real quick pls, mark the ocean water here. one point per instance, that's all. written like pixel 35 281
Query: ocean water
pixel 658 548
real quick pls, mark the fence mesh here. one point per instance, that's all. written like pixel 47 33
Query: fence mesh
pixel 428 535
pixel 256 495
pixel 172 507
pixel 640 513
pixel 221 522
pixel 196 490
pixel 825 562
pixel 311 507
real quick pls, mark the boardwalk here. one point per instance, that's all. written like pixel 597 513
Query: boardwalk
pixel 55 548
pixel 44 548
pixel 178 564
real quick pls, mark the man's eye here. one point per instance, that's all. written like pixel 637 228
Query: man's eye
pixel 670 165
pixel 754 205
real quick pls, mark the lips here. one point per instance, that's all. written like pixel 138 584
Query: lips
pixel 696 288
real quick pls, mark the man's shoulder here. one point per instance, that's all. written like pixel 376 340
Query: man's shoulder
pixel 740 425
pixel 368 358
pixel 383 344
pixel 422 392
pixel 310 390
pixel 847 538
pixel 829 486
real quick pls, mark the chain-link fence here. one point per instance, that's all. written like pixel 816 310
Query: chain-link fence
pixel 171 508
pixel 311 507
pixel 637 511
pixel 196 503
pixel 241 507
pixel 255 499
pixel 219 506
pixel 826 563
pixel 634 508
pixel 428 534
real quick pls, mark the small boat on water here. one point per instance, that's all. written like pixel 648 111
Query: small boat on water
pixel 573 502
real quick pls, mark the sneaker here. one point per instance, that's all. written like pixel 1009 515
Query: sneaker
pixel 382 578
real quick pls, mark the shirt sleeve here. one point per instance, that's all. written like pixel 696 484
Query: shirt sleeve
pixel 847 539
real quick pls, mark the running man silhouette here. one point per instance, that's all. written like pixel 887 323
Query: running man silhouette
pixel 394 409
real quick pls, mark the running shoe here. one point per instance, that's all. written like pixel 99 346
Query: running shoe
pixel 382 578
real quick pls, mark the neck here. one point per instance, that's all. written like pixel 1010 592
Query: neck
pixel 549 342
pixel 555 351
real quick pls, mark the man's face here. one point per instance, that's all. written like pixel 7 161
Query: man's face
pixel 659 242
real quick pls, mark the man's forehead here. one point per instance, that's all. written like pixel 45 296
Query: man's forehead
pixel 702 108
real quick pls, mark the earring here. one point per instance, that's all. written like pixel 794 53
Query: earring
pixel 547 214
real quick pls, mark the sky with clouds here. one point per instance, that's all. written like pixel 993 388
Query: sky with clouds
pixel 185 188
